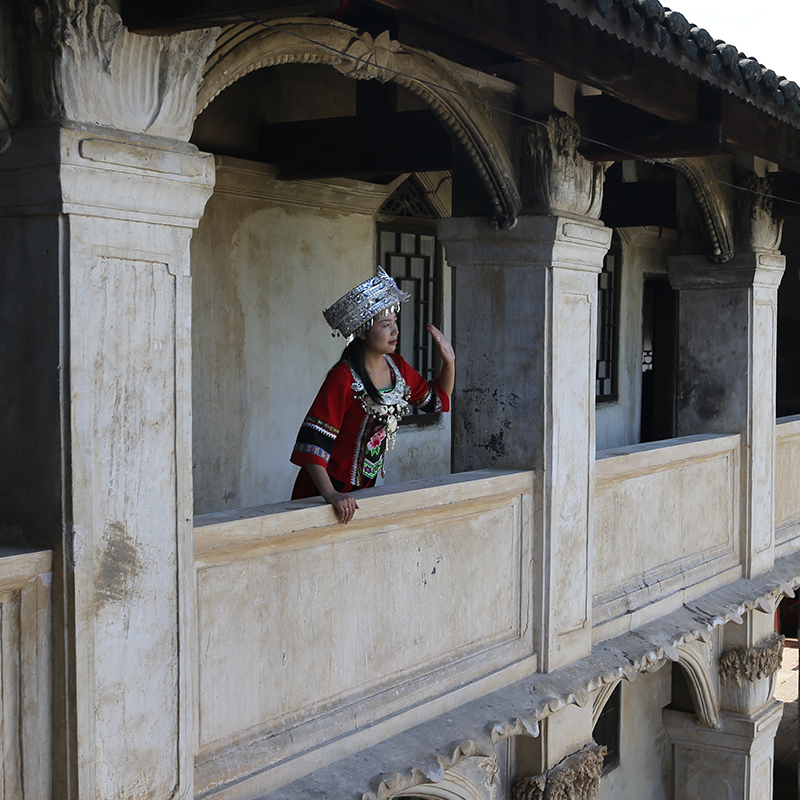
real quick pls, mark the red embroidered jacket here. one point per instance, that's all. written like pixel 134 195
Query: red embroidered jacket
pixel 339 435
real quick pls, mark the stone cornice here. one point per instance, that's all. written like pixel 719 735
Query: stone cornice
pixel 743 270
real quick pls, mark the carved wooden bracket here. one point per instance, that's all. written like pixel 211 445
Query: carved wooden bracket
pixel 244 48
pixel 577 777
pixel 86 66
pixel 556 179
pixel 751 663
pixel 696 658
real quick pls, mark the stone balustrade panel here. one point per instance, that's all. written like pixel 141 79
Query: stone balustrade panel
pixel 25 682
pixel 666 526
pixel 309 629
pixel 787 484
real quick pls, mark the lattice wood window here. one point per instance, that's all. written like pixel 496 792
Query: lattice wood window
pixel 607 329
pixel 409 252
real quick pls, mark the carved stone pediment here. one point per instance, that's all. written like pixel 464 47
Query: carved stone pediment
pixel 87 67
pixel 555 178
pixel 755 229
pixel 577 777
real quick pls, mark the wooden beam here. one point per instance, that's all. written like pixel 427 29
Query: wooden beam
pixel 411 141
pixel 628 205
pixel 152 17
pixel 545 35
pixel 786 186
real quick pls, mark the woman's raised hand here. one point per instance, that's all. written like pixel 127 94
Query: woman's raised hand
pixel 445 348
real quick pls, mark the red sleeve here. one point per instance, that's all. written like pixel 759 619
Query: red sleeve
pixel 322 424
pixel 426 395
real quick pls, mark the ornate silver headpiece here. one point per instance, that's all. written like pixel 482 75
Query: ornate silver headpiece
pixel 354 313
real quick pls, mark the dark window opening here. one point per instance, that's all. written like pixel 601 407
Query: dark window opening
pixel 658 360
pixel 606 730
pixel 607 329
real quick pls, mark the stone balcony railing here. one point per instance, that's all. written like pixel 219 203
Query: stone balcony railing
pixel 312 632
pixel 666 527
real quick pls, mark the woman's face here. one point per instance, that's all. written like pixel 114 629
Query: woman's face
pixel 382 336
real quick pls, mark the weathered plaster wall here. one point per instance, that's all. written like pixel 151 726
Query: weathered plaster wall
pixel 643 253
pixel 645 760
pixel 266 259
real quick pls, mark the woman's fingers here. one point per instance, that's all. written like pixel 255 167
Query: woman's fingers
pixel 345 507
pixel 445 348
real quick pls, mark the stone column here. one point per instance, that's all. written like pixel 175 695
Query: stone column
pixel 736 758
pixel 525 332
pixel 98 199
pixel 726 364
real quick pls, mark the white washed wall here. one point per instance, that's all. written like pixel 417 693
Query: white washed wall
pixel 787 484
pixel 666 527
pixel 267 257
pixel 310 630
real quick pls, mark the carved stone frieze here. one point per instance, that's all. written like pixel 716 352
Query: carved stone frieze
pixel 556 178
pixel 755 229
pixel 577 777
pixel 87 67
pixel 713 201
pixel 751 663
pixel 244 48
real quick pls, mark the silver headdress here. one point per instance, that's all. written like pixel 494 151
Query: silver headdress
pixel 354 313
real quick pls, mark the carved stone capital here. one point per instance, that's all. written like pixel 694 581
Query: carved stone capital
pixel 556 179
pixel 751 663
pixel 755 229
pixel 577 777
pixel 87 67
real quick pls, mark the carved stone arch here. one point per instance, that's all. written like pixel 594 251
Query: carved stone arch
pixel 601 698
pixel 713 196
pixel 695 658
pixel 241 49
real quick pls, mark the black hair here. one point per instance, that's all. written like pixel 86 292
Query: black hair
pixel 353 354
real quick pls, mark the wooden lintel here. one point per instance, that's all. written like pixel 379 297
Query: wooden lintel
pixel 153 17
pixel 628 205
pixel 411 141
pixel 674 142
pixel 786 187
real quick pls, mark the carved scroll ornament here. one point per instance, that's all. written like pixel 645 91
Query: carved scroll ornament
pixel 244 48
pixel 89 68
pixel 752 663
pixel 556 178
pixel 577 777
pixel 713 201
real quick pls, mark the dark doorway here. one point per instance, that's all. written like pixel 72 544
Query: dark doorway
pixel 658 360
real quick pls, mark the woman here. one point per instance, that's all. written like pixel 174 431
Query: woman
pixel 343 439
